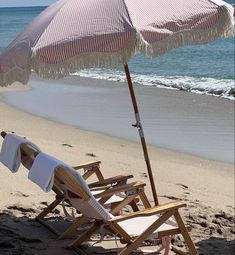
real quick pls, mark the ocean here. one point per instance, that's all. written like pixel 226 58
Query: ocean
pixel 205 69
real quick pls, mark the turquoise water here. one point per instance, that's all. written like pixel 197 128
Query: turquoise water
pixel 205 69
pixel 13 20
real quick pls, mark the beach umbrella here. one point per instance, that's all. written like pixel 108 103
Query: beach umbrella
pixel 75 34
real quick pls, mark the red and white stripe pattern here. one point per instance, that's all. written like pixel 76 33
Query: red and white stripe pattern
pixel 74 34
pixel 94 26
pixel 85 26
pixel 165 18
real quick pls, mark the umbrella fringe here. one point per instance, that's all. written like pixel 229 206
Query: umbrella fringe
pixel 142 46
pixel 137 44
pixel 224 28
pixel 83 61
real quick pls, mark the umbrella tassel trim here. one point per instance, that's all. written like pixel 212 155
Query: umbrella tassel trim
pixel 83 61
pixel 223 28
pixel 142 45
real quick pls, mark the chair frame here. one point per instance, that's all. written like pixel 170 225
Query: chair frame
pixel 109 187
pixel 62 177
pixel 166 211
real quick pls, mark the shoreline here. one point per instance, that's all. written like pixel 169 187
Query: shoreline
pixel 184 122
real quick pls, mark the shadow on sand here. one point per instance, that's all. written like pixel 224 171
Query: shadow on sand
pixel 22 235
pixel 216 246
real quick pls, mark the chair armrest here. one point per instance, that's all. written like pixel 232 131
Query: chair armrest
pixel 88 165
pixel 121 188
pixel 90 168
pixel 150 211
pixel 111 181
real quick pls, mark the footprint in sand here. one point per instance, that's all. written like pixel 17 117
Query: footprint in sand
pixel 67 145
pixel 171 197
pixel 143 175
pixel 182 185
pixel 91 155
pixel 19 194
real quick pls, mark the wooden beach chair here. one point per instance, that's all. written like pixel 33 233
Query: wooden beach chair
pixel 132 228
pixel 105 190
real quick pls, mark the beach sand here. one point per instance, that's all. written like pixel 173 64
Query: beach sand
pixel 206 186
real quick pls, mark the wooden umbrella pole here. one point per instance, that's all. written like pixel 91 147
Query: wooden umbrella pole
pixel 141 133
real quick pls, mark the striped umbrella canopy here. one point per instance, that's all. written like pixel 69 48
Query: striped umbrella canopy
pixel 75 34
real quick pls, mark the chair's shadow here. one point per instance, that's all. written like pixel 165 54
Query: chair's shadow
pixel 216 246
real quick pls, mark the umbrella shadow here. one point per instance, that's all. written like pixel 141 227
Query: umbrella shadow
pixel 216 246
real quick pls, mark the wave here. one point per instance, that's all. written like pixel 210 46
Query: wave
pixel 202 85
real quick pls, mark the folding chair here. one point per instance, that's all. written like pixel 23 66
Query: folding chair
pixel 105 189
pixel 28 154
pixel 132 228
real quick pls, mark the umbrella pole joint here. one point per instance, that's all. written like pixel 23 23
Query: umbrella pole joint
pixel 138 125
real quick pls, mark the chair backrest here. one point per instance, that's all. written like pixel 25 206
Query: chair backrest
pixel 66 180
pixel 73 186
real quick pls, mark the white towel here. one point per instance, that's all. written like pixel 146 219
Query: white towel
pixel 43 170
pixel 10 154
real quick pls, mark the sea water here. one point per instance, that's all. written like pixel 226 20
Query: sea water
pixel 205 69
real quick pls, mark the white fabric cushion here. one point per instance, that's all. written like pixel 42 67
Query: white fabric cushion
pixel 137 225
pixel 115 198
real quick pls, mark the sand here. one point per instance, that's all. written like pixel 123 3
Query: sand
pixel 206 186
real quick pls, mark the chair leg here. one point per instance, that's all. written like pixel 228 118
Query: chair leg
pixel 99 175
pixel 185 234
pixel 138 240
pixel 122 204
pixel 72 229
pixel 144 199
pixel 88 174
pixel 96 171
pixel 85 236
pixel 134 206
pixel 49 208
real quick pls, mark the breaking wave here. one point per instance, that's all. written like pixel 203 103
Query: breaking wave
pixel 202 85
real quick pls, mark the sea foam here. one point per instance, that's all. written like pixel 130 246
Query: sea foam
pixel 202 85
